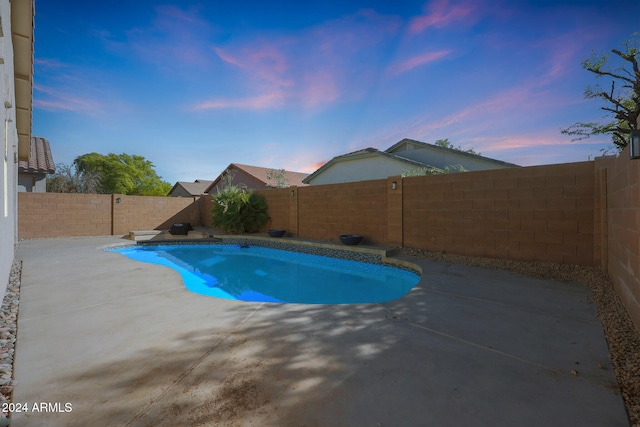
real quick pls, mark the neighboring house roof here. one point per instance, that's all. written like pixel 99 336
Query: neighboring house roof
pixel 398 152
pixel 361 154
pixel 40 158
pixel 406 141
pixel 260 173
pixel 196 188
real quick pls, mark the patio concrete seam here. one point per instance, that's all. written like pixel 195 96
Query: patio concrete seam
pixel 190 369
pixel 519 307
pixel 484 347
pixel 113 301
pixel 510 356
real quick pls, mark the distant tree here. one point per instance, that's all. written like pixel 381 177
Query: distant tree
pixel 67 179
pixel 277 178
pixel 422 170
pixel 123 174
pixel 430 170
pixel 445 143
pixel 622 101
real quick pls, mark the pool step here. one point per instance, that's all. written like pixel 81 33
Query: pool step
pixel 142 235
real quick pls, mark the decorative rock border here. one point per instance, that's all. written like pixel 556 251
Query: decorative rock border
pixel 8 333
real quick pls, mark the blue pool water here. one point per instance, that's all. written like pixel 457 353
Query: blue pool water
pixel 270 275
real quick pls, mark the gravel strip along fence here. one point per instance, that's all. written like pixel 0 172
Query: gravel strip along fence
pixel 622 336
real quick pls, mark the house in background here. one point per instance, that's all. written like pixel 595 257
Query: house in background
pixel 405 155
pixel 32 173
pixel 254 178
pixel 190 189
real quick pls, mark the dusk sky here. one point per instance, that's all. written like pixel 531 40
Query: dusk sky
pixel 193 86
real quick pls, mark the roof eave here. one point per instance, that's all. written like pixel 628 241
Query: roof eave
pixel 22 24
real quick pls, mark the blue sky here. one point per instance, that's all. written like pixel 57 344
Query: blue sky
pixel 193 86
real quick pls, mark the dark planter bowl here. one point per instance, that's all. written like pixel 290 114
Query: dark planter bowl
pixel 276 233
pixel 351 239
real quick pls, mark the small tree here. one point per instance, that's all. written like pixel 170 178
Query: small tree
pixel 68 179
pixel 430 170
pixel 445 143
pixel 622 101
pixel 237 210
pixel 278 178
pixel 421 171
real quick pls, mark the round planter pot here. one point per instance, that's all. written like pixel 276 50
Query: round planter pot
pixel 350 239
pixel 276 233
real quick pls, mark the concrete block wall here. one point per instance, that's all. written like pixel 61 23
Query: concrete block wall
pixel 205 205
pixel 623 228
pixel 543 213
pixel 327 211
pixel 152 213
pixel 42 215
pixel 279 207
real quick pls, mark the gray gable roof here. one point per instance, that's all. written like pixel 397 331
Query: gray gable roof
pixel 365 152
pixel 406 141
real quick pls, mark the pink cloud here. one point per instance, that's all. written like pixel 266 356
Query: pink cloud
pixel 49 63
pixel 515 141
pixel 176 38
pixel 491 115
pixel 312 69
pixel 416 61
pixel 440 13
pixel 320 88
pixel 270 100
pixel 312 167
pixel 228 58
pixel 527 149
pixel 563 53
pixel 265 63
pixel 57 100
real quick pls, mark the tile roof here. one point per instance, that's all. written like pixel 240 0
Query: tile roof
pixel 260 173
pixel 196 188
pixel 40 158
pixel 293 178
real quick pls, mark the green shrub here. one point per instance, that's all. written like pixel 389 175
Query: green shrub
pixel 237 210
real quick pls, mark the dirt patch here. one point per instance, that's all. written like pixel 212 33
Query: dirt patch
pixel 242 392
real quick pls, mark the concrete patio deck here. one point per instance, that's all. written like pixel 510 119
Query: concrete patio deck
pixel 124 343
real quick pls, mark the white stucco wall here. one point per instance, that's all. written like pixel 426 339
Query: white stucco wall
pixel 34 183
pixel 362 169
pixel 8 142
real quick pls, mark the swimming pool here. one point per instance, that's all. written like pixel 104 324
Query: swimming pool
pixel 256 273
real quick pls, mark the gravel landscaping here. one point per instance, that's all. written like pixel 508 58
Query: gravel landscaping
pixel 8 331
